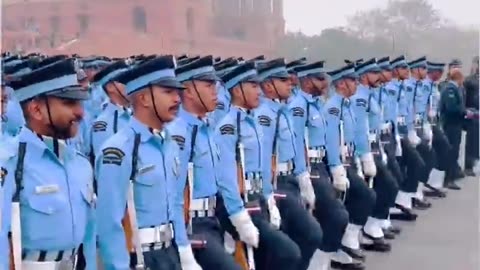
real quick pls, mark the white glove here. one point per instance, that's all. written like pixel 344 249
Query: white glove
pixel 398 148
pixel 187 260
pixel 369 168
pixel 427 131
pixel 275 218
pixel 340 180
pixel 413 138
pixel 384 158
pixel 228 243
pixel 246 229
pixel 432 113
pixel 306 189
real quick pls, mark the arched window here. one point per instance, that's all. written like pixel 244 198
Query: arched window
pixel 140 19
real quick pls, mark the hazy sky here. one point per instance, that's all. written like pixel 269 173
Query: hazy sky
pixel 311 16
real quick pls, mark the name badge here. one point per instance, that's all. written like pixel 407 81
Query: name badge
pixel 146 169
pixel 48 189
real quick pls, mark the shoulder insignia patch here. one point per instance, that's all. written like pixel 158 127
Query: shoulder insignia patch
pixel 361 102
pixel 391 92
pixel 99 126
pixel 297 111
pixel 264 120
pixel 334 111
pixel 180 141
pixel 3 175
pixel 220 106
pixel 227 129
pixel 409 89
pixel 113 155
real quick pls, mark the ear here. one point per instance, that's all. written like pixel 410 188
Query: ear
pixel 35 109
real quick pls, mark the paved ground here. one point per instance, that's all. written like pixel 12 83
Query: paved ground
pixel 446 237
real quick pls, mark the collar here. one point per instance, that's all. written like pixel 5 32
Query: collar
pixel 307 96
pixel 244 113
pixel 42 144
pixel 190 118
pixel 363 89
pixel 112 108
pixel 453 82
pixel 273 105
pixel 145 132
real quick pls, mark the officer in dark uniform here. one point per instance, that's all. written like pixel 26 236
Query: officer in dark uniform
pixel 471 125
pixel 453 113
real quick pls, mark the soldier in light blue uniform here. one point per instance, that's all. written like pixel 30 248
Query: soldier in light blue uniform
pixel 240 127
pixel 340 148
pixel 48 186
pixel 329 211
pixel 440 142
pixel 116 113
pixel 386 134
pixel 209 175
pixel 371 152
pixel 293 74
pixel 419 98
pixel 139 167
pixel 396 112
pixel 291 176
pixel 223 96
pixel 98 97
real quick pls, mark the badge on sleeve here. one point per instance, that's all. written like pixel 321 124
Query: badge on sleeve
pixel 334 111
pixel 299 112
pixel 113 155
pixel 99 126
pixel 220 106
pixel 361 102
pixel 180 141
pixel 264 120
pixel 227 129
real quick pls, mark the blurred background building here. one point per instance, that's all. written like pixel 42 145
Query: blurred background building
pixel 124 27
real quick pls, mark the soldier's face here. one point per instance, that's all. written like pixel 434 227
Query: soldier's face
pixel 422 72
pixel 386 75
pixel 61 115
pixel 320 84
pixel 373 79
pixel 207 94
pixel 166 102
pixel 252 94
pixel 294 79
pixel 436 75
pixel 403 73
pixel 351 86
pixel 283 87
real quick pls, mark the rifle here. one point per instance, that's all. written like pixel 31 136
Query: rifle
pixel 196 241
pixel 246 261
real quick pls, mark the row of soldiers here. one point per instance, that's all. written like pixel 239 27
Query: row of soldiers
pixel 166 163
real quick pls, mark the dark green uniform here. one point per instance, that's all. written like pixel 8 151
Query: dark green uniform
pixel 471 125
pixel 452 114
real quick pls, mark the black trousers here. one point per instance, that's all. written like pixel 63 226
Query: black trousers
pixel 386 188
pixel 276 250
pixel 411 163
pixel 297 222
pixel 454 135
pixel 442 148
pixel 213 255
pixel 163 259
pixel 360 198
pixel 329 209
pixel 471 145
pixel 429 157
